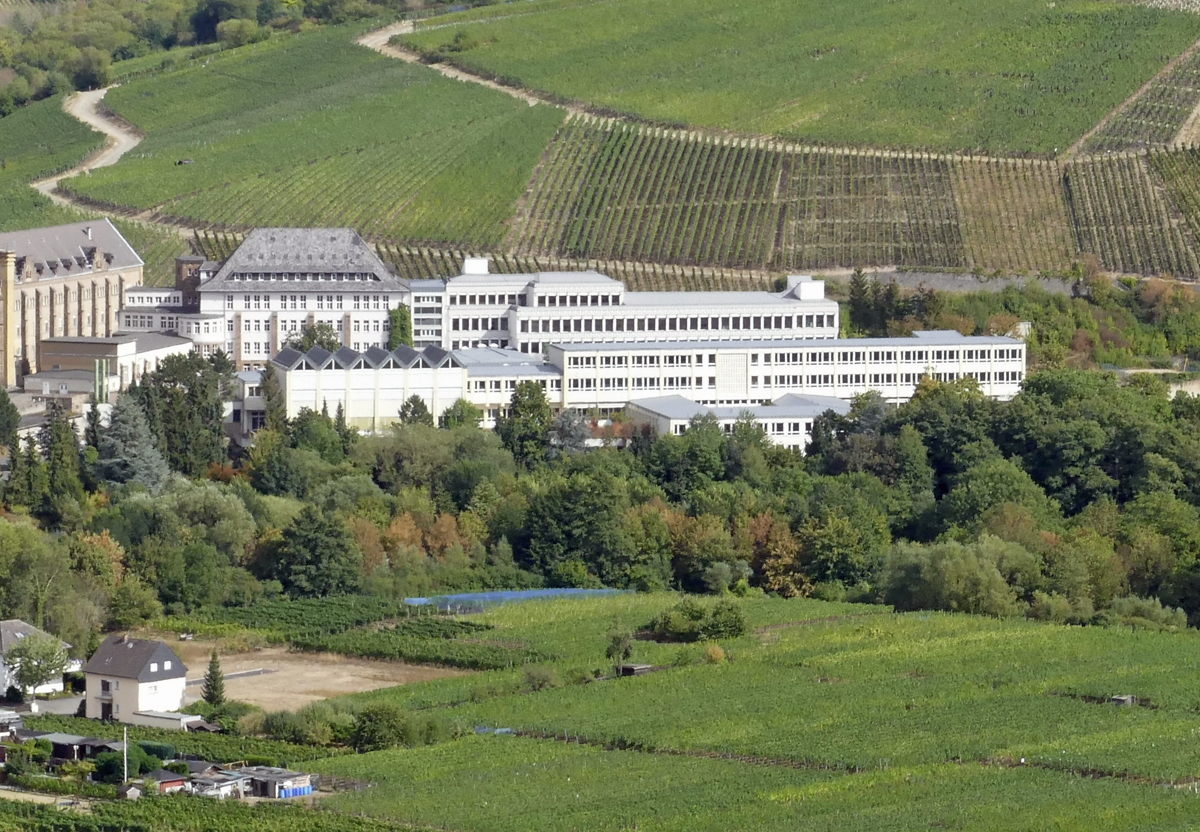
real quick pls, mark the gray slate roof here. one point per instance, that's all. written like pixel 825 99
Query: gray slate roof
pixel 71 242
pixel 284 252
pixel 13 631
pixel 790 406
pixel 130 658
pixel 929 338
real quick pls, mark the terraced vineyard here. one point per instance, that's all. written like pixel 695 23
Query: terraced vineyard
pixel 312 129
pixel 1154 118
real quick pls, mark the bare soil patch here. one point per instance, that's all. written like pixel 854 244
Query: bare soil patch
pixel 298 678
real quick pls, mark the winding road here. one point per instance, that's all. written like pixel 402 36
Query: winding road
pixel 85 106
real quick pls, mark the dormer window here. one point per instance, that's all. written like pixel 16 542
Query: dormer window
pixel 166 665
pixel 153 667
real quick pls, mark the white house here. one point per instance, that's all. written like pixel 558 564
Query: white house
pixel 787 421
pixel 12 632
pixel 126 676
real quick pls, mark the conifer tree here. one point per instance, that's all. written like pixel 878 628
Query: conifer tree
pixel 127 451
pixel 213 691
pixel 61 448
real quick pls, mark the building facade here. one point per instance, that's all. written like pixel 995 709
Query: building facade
pixel 128 675
pixel 602 379
pixel 66 280
pixel 280 280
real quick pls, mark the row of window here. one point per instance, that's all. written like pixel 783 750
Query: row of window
pixel 578 300
pixel 478 300
pixel 304 276
pixel 301 301
pixel 481 324
pixel 724 323
pixel 877 356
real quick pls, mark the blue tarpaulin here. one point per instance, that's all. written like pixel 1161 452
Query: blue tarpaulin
pixel 507 596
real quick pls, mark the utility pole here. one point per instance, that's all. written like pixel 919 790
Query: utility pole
pixel 125 752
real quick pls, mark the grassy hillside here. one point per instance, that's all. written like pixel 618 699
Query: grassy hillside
pixel 833 716
pixel 311 129
pixel 37 141
pixel 1020 75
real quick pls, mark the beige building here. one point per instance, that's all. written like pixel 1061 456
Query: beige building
pixel 128 357
pixel 128 676
pixel 66 280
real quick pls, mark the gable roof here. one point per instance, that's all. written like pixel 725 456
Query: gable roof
pixel 13 631
pixel 132 658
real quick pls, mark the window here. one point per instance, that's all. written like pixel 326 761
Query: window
pixel 153 667
pixel 166 665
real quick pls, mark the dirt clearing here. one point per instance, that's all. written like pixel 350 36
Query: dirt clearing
pixel 297 678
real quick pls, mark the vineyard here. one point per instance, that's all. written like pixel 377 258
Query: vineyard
pixel 1002 77
pixel 855 716
pixel 312 129
pixel 1154 118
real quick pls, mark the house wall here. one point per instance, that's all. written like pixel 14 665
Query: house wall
pixel 128 696
pixel 123 696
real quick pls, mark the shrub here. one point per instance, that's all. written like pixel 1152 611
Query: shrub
pixel 714 654
pixel 380 725
pixel 14 695
pixel 162 750
pixel 541 678
pixel 1148 613
pixel 690 620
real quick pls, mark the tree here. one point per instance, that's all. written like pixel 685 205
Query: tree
pixel 127 453
pixel 321 335
pixel 568 434
pixel 400 333
pixel 620 647
pixel 461 413
pixel 523 430
pixel 9 419
pixel 60 446
pixel 414 412
pixel 213 691
pixel 317 557
pixel 28 482
pixel 378 726
pixel 35 660
pixel 273 400
pixel 182 402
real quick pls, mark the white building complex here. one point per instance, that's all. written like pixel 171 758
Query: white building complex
pixel 591 344
pixel 282 279
pixel 651 380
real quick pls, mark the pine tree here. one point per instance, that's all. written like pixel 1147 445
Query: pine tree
pixel 127 452
pixel 213 691
pixel 10 418
pixel 276 407
pixel 61 448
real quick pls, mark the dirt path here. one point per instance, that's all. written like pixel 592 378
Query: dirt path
pixel 85 106
pixel 1074 149
pixel 378 40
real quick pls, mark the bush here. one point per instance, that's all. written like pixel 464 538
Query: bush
pixel 14 695
pixel 1148 613
pixel 380 726
pixel 714 654
pixel 690 620
pixel 541 678
pixel 162 750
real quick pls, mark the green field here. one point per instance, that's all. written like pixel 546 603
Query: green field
pixel 312 130
pixel 1017 76
pixel 823 717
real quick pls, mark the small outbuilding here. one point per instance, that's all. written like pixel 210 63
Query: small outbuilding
pixel 168 781
pixel 269 781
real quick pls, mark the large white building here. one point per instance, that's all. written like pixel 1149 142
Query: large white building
pixel 604 378
pixel 282 279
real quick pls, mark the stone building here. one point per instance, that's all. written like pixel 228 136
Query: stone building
pixel 65 280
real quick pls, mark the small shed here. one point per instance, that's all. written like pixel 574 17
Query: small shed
pixel 269 781
pixel 220 784
pixel 130 791
pixel 635 669
pixel 168 781
pixel 1125 699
